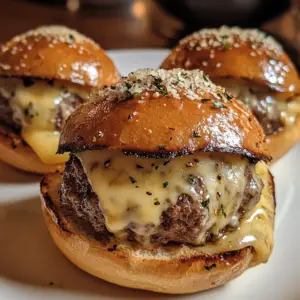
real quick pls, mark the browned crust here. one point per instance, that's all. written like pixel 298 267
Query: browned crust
pixel 165 127
pixel 15 152
pixel 168 269
pixel 237 63
pixel 83 62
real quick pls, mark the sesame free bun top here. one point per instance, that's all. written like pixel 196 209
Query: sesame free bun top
pixel 57 52
pixel 246 54
pixel 159 113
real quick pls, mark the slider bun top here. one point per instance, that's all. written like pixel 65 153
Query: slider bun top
pixel 159 113
pixel 57 52
pixel 247 54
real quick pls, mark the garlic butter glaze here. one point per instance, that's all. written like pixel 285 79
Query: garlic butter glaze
pixel 187 113
pixel 236 53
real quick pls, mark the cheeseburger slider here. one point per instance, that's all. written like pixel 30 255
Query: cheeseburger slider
pixel 166 188
pixel 45 74
pixel 254 68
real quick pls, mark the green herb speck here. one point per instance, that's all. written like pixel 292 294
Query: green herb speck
pixel 165 184
pixel 208 268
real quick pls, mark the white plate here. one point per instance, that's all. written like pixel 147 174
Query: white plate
pixel 32 268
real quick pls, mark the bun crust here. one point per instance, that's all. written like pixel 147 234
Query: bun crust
pixel 172 269
pixel 57 52
pixel 155 124
pixel 15 152
pixel 239 54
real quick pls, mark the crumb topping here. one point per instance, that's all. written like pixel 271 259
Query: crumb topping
pixel 176 83
pixel 232 37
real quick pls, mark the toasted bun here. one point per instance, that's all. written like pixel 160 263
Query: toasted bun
pixel 16 153
pixel 169 269
pixel 247 54
pixel 57 52
pixel 161 113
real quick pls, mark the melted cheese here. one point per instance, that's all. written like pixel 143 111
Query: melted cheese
pixel 256 228
pixel 35 107
pixel 250 95
pixel 136 195
pixel 124 202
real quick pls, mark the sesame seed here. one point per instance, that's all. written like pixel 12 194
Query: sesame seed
pixel 218 65
pixel 204 63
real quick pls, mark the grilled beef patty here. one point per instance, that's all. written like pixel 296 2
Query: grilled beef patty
pixel 180 223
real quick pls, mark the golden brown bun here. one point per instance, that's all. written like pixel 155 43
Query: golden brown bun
pixel 152 123
pixel 239 54
pixel 15 152
pixel 57 52
pixel 171 269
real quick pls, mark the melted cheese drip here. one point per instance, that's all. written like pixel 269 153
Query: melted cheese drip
pixel 256 228
pixel 289 110
pixel 122 188
pixel 35 108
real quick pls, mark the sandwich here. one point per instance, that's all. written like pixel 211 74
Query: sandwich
pixel 254 68
pixel 167 187
pixel 45 74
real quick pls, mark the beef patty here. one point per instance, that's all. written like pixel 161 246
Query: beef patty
pixel 181 222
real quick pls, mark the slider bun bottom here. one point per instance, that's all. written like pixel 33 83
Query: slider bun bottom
pixel 21 156
pixel 282 141
pixel 178 270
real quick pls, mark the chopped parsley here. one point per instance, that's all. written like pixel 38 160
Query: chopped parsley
pixel 165 184
pixel 219 105
pixel 208 268
pixel 228 97
pixel 226 46
pixel 196 134
pixel 192 180
pixel 205 77
pixel 128 85
pixel 159 88
pixel 139 166
pixel 132 179
pixel 161 147
pixel 223 211
pixel 205 203
pixel 205 100
pixel 156 202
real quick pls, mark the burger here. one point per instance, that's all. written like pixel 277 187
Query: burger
pixel 255 69
pixel 166 188
pixel 45 74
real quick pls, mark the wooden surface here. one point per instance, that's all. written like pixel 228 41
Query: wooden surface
pixel 111 27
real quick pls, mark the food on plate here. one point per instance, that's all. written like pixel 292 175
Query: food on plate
pixel 45 74
pixel 255 69
pixel 166 188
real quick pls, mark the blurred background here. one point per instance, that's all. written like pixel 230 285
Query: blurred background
pixel 151 23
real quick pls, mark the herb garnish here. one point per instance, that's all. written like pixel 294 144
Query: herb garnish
pixel 205 77
pixel 128 85
pixel 156 202
pixel 196 134
pixel 132 179
pixel 208 268
pixel 205 100
pixel 139 166
pixel 228 97
pixel 223 211
pixel 191 180
pixel 226 46
pixel 205 203
pixel 165 184
pixel 219 105
pixel 161 147
pixel 159 88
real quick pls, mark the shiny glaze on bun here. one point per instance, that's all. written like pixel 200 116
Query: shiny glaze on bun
pixel 162 113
